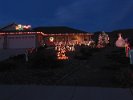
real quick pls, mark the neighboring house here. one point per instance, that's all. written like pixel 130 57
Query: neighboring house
pixel 66 34
pixel 16 36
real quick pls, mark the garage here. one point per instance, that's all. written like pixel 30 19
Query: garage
pixel 1 42
pixel 21 41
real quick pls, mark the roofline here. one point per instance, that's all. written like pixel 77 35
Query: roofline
pixel 20 33
pixel 7 26
pixel 44 34
pixel 57 27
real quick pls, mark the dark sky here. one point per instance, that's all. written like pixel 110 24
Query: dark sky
pixel 87 15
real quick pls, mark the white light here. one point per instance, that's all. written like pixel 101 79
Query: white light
pixel 51 39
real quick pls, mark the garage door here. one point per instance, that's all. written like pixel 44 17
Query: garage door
pixel 1 42
pixel 22 41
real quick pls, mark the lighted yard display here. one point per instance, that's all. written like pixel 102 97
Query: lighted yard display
pixel 61 51
pixel 51 39
pixel 127 47
pixel 103 40
pixel 123 43
pixel 63 47
pixel 120 42
pixel 23 27
pixel 91 43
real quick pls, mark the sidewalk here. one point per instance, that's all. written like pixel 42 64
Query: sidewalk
pixel 63 93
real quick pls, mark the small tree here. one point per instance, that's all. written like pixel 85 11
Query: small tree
pixel 103 40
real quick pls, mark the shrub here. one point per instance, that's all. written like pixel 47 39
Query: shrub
pixel 84 52
pixel 8 65
pixel 45 58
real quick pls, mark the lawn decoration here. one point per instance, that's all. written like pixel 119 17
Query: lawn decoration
pixel 70 46
pixel 61 55
pixel 23 27
pixel 120 42
pixel 103 40
pixel 91 44
pixel 26 56
pixel 131 56
pixel 127 47
pixel 61 51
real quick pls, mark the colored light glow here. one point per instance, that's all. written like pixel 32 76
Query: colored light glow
pixel 65 34
pixel 61 51
pixel 61 55
pixel 21 33
pixel 127 49
pixel 51 39
pixel 23 27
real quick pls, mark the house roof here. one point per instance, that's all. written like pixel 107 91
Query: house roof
pixel 58 30
pixel 17 31
pixel 10 30
pixel 7 26
pixel 21 33
pixel 46 30
pixel 12 27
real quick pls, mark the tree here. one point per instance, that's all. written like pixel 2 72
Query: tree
pixel 103 40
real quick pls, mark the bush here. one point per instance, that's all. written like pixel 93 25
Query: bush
pixel 18 58
pixel 12 63
pixel 45 59
pixel 119 56
pixel 84 52
pixel 8 65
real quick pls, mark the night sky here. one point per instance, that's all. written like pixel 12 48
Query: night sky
pixel 87 15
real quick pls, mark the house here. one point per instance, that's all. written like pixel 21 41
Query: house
pixel 65 34
pixel 17 36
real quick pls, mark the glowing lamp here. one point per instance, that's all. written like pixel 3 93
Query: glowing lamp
pixel 51 39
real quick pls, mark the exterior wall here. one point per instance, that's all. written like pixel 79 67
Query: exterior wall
pixel 67 38
pixel 1 42
pixel 20 41
pixel 39 40
pixel 47 40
